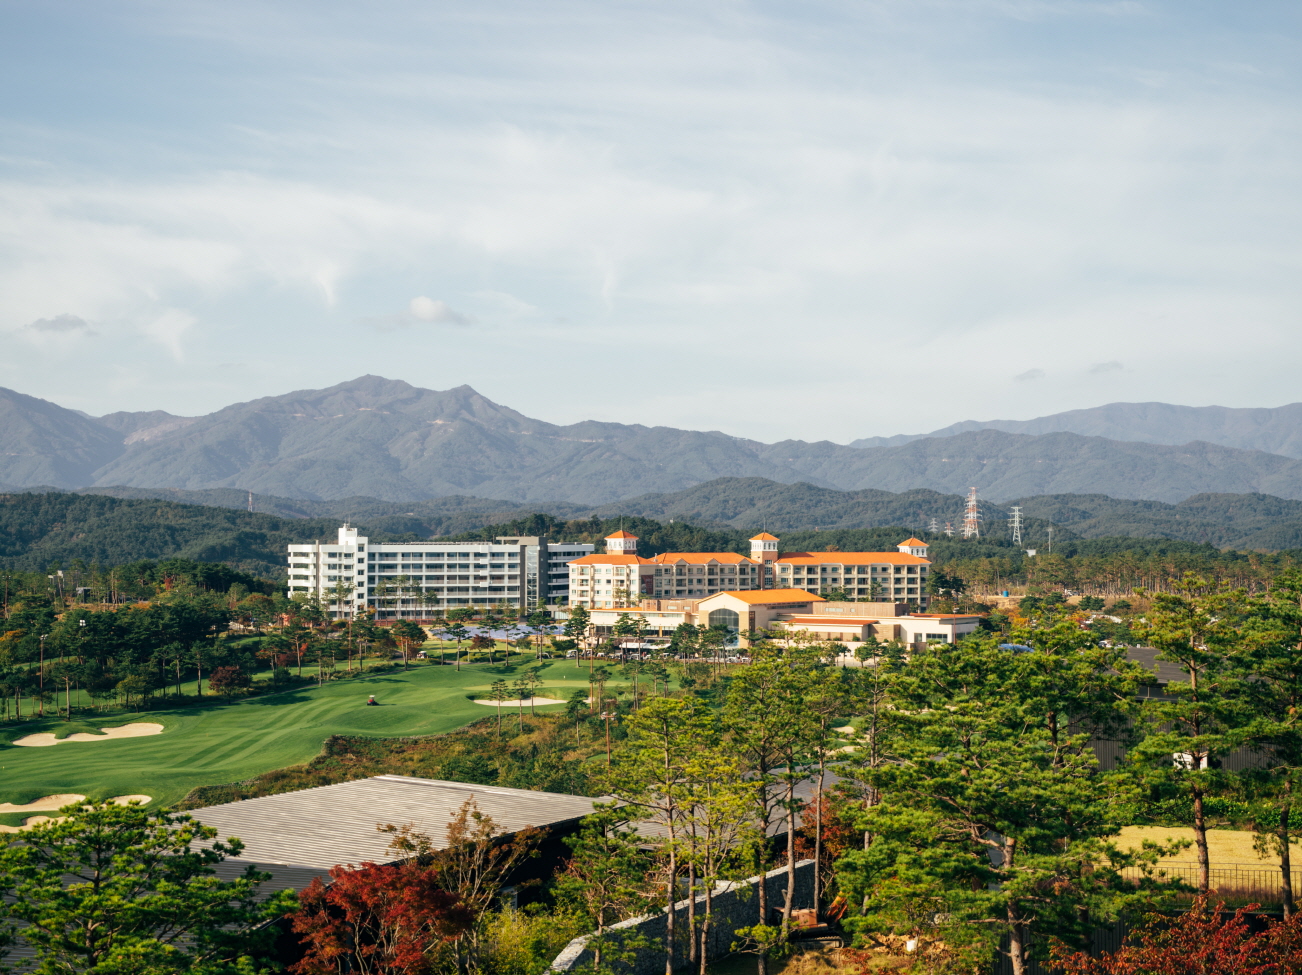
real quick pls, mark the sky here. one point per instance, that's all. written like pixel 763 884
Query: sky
pixel 819 220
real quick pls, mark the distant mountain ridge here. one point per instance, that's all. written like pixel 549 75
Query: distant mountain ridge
pixel 1275 430
pixel 385 439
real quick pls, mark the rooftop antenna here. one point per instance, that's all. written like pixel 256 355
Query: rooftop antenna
pixel 1016 524
pixel 972 516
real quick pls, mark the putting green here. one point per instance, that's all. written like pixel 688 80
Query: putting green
pixel 228 742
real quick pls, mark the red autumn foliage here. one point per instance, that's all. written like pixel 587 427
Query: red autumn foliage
pixel 373 919
pixel 1201 941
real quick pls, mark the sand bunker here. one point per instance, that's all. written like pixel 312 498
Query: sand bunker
pixel 52 803
pixel 526 702
pixel 44 804
pixel 137 730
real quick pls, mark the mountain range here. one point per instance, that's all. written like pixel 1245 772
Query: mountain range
pixel 1238 521
pixel 1276 430
pixel 378 438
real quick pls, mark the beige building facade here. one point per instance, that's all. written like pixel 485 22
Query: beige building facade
pixel 620 578
pixel 792 610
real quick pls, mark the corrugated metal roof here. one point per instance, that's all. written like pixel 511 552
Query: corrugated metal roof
pixel 1165 671
pixel 336 824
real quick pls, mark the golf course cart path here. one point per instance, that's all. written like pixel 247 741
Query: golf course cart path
pixel 137 730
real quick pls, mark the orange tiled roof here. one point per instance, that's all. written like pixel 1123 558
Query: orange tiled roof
pixel 851 558
pixel 759 597
pixel 610 560
pixel 914 542
pixel 704 558
pixel 621 534
pixel 764 537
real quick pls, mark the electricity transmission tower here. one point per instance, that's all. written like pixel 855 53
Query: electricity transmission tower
pixel 1016 524
pixel 972 516
pixel 933 527
pixel 949 529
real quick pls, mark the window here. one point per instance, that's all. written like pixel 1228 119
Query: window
pixel 725 617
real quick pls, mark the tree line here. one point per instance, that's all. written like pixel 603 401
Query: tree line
pixel 951 798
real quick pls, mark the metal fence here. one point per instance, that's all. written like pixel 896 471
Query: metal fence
pixel 1233 883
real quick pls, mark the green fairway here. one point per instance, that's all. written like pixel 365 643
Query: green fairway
pixel 218 743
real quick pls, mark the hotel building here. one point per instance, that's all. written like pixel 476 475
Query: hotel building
pixel 410 580
pixel 621 577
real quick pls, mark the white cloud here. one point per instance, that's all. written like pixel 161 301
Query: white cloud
pixel 429 310
pixel 169 328
pixel 939 183
pixel 420 310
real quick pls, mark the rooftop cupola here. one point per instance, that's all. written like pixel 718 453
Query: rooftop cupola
pixel 621 543
pixel 914 546
pixel 764 547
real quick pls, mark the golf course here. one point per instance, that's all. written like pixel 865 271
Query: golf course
pixel 222 741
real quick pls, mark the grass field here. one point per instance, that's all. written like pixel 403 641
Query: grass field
pixel 1225 847
pixel 215 743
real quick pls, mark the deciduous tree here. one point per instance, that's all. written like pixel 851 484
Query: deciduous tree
pixel 392 919
pixel 1199 941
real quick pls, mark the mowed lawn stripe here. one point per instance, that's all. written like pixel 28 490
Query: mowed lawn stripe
pixel 228 742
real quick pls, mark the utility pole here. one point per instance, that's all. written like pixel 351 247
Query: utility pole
pixel 607 715
pixel 41 675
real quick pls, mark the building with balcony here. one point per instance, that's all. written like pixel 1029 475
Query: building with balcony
pixel 622 578
pixel 417 580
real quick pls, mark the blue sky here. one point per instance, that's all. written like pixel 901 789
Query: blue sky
pixel 808 220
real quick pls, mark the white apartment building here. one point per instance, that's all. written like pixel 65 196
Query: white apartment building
pixel 621 577
pixel 410 580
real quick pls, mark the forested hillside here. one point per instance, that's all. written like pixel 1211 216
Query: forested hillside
pixel 436 516
pixel 1244 521
pixel 1241 521
pixel 41 530
pixel 48 530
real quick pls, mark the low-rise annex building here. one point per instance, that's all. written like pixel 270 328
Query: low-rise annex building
pixel 619 577
pixel 793 610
